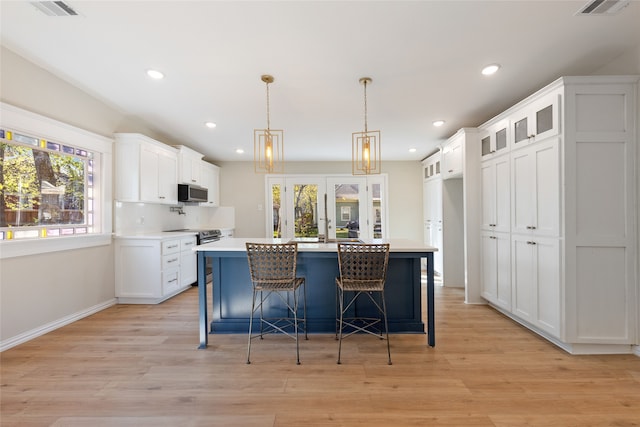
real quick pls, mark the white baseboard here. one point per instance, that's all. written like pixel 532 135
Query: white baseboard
pixel 51 326
pixel 636 350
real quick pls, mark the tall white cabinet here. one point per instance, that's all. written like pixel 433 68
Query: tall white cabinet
pixel 559 249
pixel 432 207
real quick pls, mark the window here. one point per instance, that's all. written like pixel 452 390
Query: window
pixel 46 188
pixel 345 213
pixel 55 185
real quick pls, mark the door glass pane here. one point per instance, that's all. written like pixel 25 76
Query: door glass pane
pixel 544 119
pixel 377 210
pixel 486 145
pixel 277 217
pixel 501 139
pixel 347 215
pixel 305 210
pixel 520 130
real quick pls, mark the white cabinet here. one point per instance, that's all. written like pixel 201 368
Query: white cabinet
pixel 188 261
pixel 570 179
pixel 495 140
pixel 145 170
pixel 211 181
pixel 189 166
pixel 536 189
pixel 537 120
pixel 157 176
pixel 495 194
pixel 151 270
pixel 496 268
pixel 452 159
pixel 431 167
pixel 432 208
pixel 536 282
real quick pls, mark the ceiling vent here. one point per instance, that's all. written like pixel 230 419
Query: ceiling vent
pixel 603 7
pixel 54 8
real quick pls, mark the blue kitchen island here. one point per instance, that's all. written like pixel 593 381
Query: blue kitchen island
pixel 318 263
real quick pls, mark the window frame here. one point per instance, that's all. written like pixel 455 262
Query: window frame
pixel 23 121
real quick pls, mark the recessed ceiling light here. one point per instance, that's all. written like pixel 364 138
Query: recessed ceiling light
pixel 210 125
pixel 490 69
pixel 155 74
pixel 240 151
pixel 438 123
pixel 412 150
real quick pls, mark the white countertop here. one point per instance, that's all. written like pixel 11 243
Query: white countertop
pixel 238 244
pixel 155 235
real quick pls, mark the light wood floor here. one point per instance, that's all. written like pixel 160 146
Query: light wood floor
pixel 139 366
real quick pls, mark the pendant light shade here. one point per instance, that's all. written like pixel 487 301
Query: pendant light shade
pixel 365 145
pixel 268 144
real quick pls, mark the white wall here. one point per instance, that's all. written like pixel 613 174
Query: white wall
pixel 41 292
pixel 243 189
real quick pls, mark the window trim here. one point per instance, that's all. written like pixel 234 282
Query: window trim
pixel 24 121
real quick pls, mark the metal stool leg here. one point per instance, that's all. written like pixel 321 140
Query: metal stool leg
pixel 253 308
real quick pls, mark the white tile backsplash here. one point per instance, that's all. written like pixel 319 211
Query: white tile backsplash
pixel 137 218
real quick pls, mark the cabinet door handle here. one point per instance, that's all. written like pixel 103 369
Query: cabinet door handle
pixel 160 197
pixel 492 237
pixel 531 136
pixel 531 243
pixel 172 260
pixel 450 170
pixel 173 280
pixel 531 227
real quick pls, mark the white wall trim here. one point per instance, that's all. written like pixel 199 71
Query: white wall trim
pixel 16 248
pixel 56 324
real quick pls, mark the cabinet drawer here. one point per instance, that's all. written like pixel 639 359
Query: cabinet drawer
pixel 170 247
pixel 170 281
pixel 171 261
pixel 186 244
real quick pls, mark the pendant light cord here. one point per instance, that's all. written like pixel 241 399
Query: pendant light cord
pixel 365 106
pixel 268 116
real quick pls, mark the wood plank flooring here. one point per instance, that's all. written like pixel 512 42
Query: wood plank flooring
pixel 139 366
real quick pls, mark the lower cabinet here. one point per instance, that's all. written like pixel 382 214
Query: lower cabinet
pixel 496 268
pixel 536 282
pixel 151 270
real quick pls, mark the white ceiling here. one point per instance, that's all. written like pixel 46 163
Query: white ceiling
pixel 424 58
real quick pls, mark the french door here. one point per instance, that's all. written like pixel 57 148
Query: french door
pixel 308 206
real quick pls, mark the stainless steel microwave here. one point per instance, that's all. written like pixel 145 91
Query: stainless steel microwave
pixel 192 193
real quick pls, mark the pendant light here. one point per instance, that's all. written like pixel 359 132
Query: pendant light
pixel 365 146
pixel 268 143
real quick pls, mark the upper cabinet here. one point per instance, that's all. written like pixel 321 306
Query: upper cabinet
pixel 211 180
pixel 431 167
pixel 452 158
pixel 495 140
pixel 146 170
pixel 189 166
pixel 537 120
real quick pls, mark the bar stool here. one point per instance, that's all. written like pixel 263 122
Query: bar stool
pixel 273 272
pixel 363 271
